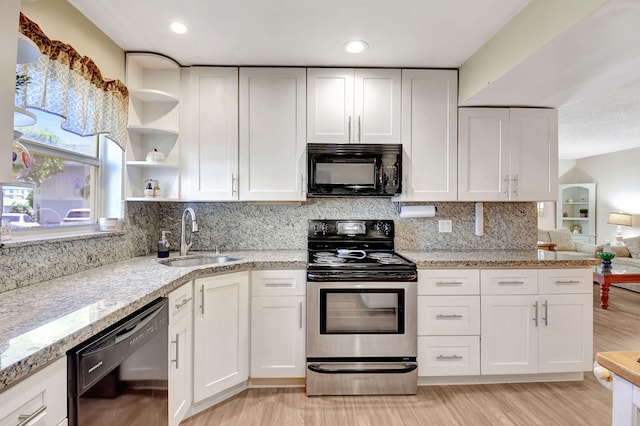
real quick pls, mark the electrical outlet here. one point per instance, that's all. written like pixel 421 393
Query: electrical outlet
pixel 445 226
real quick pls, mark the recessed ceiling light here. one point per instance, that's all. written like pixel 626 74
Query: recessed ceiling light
pixel 355 46
pixel 178 28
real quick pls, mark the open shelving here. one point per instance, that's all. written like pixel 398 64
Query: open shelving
pixel 573 198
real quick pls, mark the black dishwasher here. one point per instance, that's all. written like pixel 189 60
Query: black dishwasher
pixel 120 376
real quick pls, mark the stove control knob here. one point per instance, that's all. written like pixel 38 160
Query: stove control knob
pixel 387 228
pixel 323 228
pixel 377 227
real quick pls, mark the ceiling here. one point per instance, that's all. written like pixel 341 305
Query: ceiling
pixel 590 72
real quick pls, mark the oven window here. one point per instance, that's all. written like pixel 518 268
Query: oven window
pixel 374 311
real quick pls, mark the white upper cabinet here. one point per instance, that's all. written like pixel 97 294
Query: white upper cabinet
pixel 353 106
pixel 429 135
pixel 272 134
pixel 209 160
pixel 508 154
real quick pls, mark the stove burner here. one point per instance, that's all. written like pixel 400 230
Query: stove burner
pixel 379 255
pixel 389 260
pixel 324 254
pixel 352 254
pixel 329 259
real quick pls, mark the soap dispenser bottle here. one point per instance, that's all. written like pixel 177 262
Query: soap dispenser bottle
pixel 163 245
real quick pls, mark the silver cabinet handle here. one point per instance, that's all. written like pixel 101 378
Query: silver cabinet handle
pixel 448 357
pixel 568 282
pixel 359 130
pixel 535 319
pixel 452 316
pixel 545 318
pixel 27 419
pixel 177 343
pixel 507 184
pixel 303 190
pixel 182 303
pixel 300 315
pixel 510 282
pixel 515 185
pixel 349 128
pixel 202 299
pixel 234 184
pixel 446 283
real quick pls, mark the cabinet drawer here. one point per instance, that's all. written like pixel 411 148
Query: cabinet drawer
pixel 287 282
pixel 42 396
pixel 448 356
pixel 180 302
pixel 557 281
pixel 448 281
pixel 448 315
pixel 509 281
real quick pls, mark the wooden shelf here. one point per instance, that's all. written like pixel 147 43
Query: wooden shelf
pixel 150 165
pixel 27 50
pixel 151 95
pixel 22 117
pixel 144 130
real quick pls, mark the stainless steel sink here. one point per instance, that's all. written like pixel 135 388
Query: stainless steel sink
pixel 198 260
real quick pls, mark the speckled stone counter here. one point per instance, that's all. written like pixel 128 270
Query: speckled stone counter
pixel 41 322
pixel 496 259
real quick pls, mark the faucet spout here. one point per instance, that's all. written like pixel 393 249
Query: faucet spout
pixel 184 245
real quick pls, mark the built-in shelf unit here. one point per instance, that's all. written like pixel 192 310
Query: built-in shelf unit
pixel 154 122
pixel 576 211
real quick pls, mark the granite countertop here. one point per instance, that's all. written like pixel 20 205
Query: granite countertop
pixel 622 364
pixel 42 321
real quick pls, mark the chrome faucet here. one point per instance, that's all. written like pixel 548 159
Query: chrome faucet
pixel 184 246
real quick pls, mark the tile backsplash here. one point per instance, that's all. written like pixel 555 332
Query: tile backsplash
pixel 248 226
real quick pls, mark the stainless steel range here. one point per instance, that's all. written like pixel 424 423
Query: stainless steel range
pixel 361 310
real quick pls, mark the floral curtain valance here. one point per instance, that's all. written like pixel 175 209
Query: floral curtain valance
pixel 70 85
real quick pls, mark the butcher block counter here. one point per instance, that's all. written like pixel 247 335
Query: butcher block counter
pixel 625 368
pixel 40 322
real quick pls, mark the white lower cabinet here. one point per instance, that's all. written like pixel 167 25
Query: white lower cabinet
pixel 39 399
pixel 278 324
pixel 549 331
pixel 180 352
pixel 221 333
pixel 448 322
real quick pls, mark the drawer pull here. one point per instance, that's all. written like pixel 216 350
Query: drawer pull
pixel 444 283
pixel 448 357
pixel 568 282
pixel 182 303
pixel 277 284
pixel 452 316
pixel 27 419
pixel 510 282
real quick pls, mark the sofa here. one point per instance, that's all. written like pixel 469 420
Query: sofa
pixel 626 255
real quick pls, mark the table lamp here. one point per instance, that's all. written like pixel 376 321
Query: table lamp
pixel 620 219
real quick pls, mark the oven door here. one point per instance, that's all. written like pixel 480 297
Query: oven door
pixel 361 320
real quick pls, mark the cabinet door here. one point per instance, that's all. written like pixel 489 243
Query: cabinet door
pixel 509 342
pixel 278 337
pixel 483 154
pixel 448 356
pixel 329 105
pixel 272 134
pixel 209 161
pixel 377 105
pixel 534 154
pixel 221 333
pixel 180 344
pixel 566 333
pixel 430 135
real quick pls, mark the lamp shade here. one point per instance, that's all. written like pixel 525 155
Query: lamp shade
pixel 621 219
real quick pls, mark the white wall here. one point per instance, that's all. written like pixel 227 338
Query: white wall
pixel 617 176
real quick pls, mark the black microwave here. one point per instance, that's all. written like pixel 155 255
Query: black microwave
pixel 347 170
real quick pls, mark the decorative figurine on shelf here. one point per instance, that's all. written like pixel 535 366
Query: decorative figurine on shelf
pixel 605 256
pixel 148 189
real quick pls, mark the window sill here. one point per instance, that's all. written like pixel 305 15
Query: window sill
pixel 24 241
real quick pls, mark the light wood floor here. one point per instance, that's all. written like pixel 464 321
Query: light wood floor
pixel 565 403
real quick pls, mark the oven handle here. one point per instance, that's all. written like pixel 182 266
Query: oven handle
pixel 406 368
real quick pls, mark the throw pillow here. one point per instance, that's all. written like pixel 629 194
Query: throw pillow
pixel 633 244
pixel 562 239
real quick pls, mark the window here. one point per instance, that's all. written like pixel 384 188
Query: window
pixel 70 180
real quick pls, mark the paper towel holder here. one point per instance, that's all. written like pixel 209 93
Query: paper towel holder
pixel 417 211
